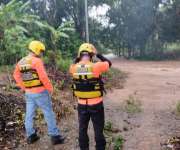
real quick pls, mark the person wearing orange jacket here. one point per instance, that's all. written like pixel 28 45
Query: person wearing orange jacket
pixel 88 88
pixel 31 77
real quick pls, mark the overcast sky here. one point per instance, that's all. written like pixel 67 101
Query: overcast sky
pixel 99 13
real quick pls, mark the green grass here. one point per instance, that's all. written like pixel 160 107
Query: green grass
pixel 57 60
pixel 178 108
pixel 118 143
pixel 114 78
pixel 108 126
pixel 114 140
pixel 132 105
pixel 64 64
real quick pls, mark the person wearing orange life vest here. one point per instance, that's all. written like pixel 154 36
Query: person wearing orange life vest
pixel 88 88
pixel 31 77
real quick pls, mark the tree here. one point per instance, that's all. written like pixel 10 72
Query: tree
pixel 133 24
pixel 55 12
pixel 169 23
pixel 19 27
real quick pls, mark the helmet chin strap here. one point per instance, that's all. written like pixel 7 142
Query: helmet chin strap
pixel 33 54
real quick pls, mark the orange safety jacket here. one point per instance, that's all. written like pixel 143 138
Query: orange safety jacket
pixel 33 68
pixel 97 69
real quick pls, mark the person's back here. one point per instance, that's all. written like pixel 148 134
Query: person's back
pixel 97 69
pixel 88 88
pixel 31 77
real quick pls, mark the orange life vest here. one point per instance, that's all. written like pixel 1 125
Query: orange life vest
pixel 29 75
pixel 85 84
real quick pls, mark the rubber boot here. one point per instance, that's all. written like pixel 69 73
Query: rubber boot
pixel 57 139
pixel 2 124
pixel 33 138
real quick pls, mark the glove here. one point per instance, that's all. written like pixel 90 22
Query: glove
pixel 102 58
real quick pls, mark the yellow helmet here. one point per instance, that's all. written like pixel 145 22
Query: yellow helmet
pixel 86 47
pixel 37 47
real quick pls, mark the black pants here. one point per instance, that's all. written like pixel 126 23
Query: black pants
pixel 96 114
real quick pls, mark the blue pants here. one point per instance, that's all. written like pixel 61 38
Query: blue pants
pixel 43 101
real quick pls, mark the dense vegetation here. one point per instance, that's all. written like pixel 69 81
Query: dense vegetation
pixel 145 28
pixel 141 29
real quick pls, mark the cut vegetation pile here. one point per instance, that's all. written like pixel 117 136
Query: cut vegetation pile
pixel 11 120
pixel 12 104
pixel 59 78
pixel 172 144
pixel 12 107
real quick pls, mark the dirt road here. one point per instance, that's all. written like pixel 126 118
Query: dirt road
pixel 157 86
